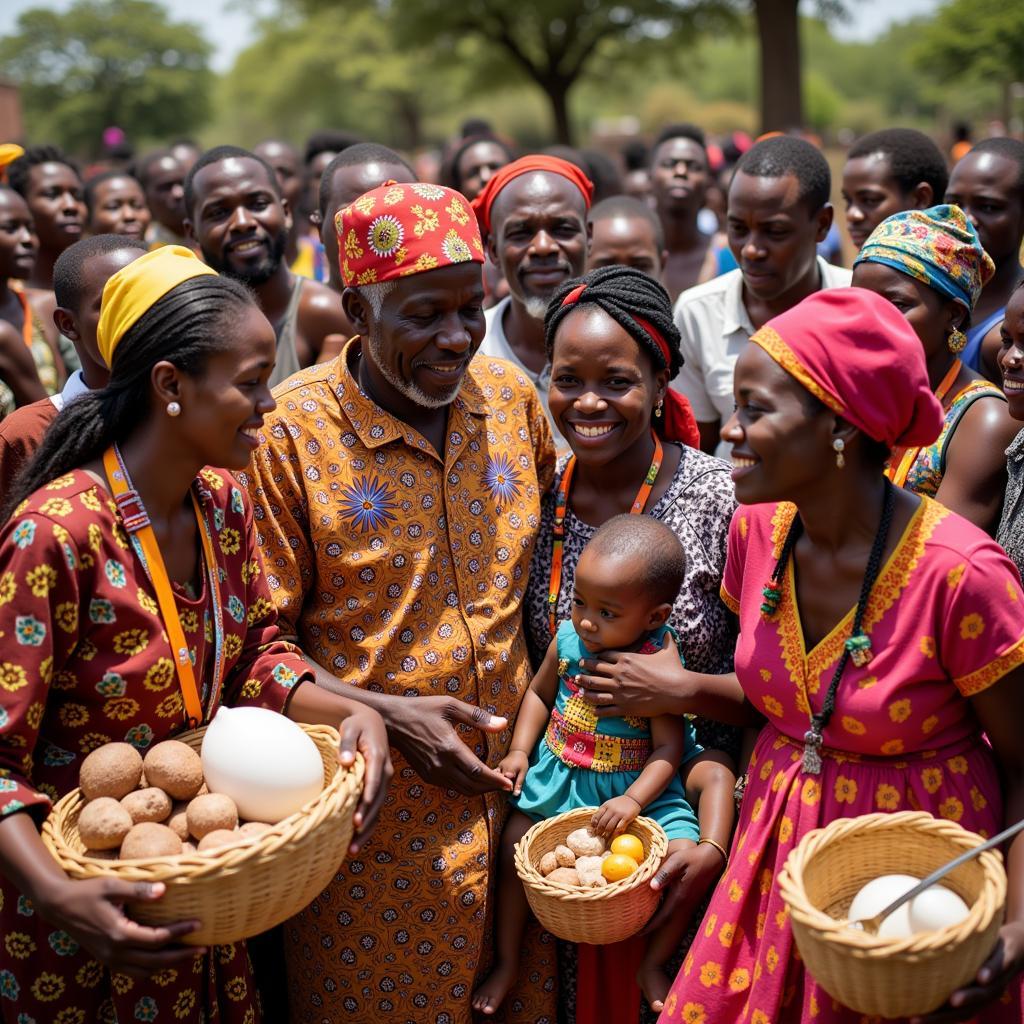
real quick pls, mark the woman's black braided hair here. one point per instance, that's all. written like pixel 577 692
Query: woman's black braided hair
pixel 623 293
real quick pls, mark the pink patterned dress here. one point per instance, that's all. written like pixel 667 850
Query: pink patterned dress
pixel 946 621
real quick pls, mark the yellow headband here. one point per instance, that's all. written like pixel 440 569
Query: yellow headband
pixel 138 287
pixel 9 152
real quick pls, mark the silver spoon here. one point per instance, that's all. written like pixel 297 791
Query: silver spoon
pixel 871 924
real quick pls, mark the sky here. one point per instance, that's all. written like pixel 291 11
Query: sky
pixel 229 27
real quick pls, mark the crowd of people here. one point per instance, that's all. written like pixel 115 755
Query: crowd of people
pixel 560 481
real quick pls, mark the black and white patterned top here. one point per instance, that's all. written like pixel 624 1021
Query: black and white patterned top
pixel 698 506
pixel 1011 525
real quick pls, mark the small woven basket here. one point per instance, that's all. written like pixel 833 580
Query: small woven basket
pixel 594 916
pixel 240 890
pixel 890 977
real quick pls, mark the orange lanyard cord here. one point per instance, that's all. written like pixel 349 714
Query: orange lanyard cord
pixel 136 523
pixel 26 321
pixel 909 456
pixel 558 528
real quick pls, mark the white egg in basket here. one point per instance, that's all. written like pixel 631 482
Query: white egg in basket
pixel 263 761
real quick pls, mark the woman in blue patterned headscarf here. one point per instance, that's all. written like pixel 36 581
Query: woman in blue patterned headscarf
pixel 931 266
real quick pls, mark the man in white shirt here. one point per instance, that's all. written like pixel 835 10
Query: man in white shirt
pixel 533 213
pixel 778 212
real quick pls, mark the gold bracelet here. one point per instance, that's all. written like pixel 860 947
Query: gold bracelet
pixel 717 846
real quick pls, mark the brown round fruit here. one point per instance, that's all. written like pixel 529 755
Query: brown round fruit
pixel 254 828
pixel 112 770
pixel 103 824
pixel 149 839
pixel 150 804
pixel 211 812
pixel 174 767
pixel 178 821
pixel 219 837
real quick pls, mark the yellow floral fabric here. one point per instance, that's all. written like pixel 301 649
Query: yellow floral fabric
pixel 402 571
pixel 84 661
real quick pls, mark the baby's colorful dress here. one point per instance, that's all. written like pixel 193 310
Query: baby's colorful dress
pixel 946 621
pixel 582 761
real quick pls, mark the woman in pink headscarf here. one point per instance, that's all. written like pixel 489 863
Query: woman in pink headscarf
pixel 880 636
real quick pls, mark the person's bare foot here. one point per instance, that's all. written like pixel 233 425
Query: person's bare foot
pixel 655 984
pixel 491 993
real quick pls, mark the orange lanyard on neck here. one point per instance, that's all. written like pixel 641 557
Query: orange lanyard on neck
pixel 136 523
pixel 26 321
pixel 909 457
pixel 558 529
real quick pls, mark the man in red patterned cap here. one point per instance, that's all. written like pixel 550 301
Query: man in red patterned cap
pixel 533 213
pixel 397 491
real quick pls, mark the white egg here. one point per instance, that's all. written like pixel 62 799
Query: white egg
pixel 263 761
pixel 876 896
pixel 937 907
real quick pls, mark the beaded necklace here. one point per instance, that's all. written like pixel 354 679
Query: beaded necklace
pixel 558 528
pixel 857 646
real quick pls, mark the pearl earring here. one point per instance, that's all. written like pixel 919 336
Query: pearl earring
pixel 838 446
pixel 173 409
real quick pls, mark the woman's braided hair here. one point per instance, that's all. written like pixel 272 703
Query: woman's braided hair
pixel 624 294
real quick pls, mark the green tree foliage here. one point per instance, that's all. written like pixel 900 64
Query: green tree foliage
pixel 976 42
pixel 550 43
pixel 107 62
pixel 338 69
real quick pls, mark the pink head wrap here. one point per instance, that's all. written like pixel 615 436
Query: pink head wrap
pixel 854 351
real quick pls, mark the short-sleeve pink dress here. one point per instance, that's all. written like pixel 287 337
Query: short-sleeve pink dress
pixel 946 621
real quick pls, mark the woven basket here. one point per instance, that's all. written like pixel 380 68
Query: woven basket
pixel 235 891
pixel 595 916
pixel 890 977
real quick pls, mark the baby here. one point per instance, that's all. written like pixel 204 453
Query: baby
pixel 562 756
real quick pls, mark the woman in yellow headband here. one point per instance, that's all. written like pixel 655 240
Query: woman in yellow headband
pixel 97 596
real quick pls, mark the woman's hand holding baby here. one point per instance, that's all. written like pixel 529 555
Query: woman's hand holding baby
pixel 514 765
pixel 615 815
pixel 687 874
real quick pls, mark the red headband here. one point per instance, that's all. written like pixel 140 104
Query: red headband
pixel 678 422
pixel 524 165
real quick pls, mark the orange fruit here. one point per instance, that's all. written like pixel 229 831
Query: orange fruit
pixel 629 846
pixel 618 866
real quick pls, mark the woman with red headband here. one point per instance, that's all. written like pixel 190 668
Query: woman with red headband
pixel 613 348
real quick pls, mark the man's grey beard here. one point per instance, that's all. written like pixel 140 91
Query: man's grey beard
pixel 536 307
pixel 375 344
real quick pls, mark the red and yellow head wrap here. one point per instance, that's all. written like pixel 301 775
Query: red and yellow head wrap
pixel 397 230
pixel 139 286
pixel 527 165
pixel 855 352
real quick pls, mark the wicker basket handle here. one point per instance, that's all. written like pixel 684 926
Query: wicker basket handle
pixel 871 924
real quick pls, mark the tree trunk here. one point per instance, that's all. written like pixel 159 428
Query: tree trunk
pixel 410 117
pixel 557 91
pixel 778 29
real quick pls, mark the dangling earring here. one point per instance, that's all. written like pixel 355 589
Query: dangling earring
pixel 657 408
pixel 839 446
pixel 957 341
pixel 173 409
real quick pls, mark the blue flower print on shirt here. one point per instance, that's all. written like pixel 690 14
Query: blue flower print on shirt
pixel 502 478
pixel 368 503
